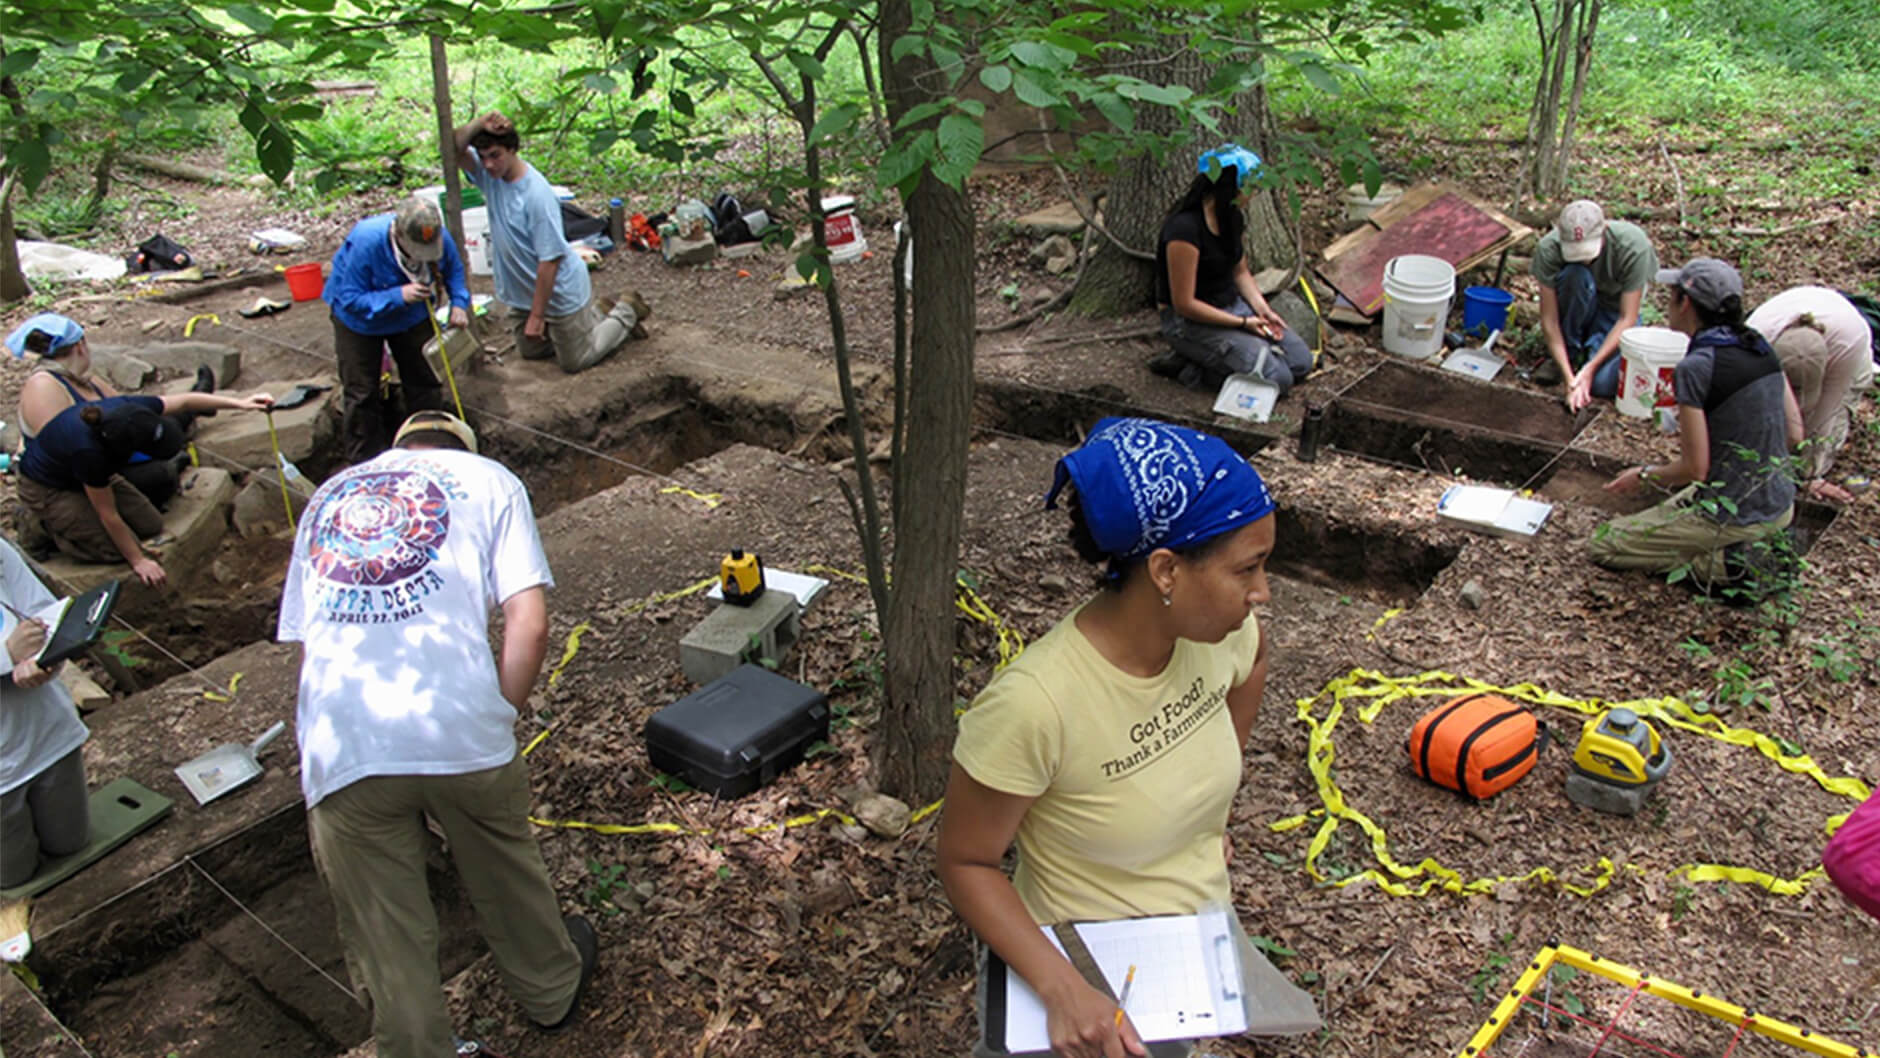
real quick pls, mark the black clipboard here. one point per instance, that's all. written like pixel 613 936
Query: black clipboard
pixel 80 626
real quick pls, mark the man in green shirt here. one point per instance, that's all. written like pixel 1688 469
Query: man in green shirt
pixel 1592 274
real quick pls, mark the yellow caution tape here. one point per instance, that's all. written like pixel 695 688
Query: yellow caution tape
pixel 234 684
pixel 1371 692
pixel 1011 643
pixel 568 652
pixel 709 499
pixel 540 737
pixel 654 600
pixel 189 329
pixel 1319 317
pixel 1382 620
pixel 280 469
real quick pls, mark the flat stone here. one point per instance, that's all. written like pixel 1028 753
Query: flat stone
pixel 83 689
pixel 1054 246
pixel 884 816
pixel 1059 219
pixel 679 251
pixel 259 509
pixel 1298 315
pixel 1471 594
pixel 125 371
pixel 183 358
pixel 241 437
pixel 192 527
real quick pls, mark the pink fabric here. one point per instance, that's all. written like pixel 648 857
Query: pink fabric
pixel 1852 857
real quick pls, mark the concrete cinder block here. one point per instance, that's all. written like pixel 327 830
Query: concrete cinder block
pixel 732 635
pixel 242 436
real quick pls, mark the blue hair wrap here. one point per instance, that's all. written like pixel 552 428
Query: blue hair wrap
pixel 64 332
pixel 1145 484
pixel 1229 156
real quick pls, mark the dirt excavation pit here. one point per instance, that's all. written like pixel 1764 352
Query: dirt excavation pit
pixel 1426 419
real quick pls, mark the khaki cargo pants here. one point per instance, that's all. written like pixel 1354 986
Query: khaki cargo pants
pixel 578 340
pixel 369 843
pixel 1673 533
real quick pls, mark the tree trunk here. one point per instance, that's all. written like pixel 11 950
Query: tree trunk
pixel 1575 23
pixel 1144 188
pixel 13 285
pixel 447 141
pixel 911 741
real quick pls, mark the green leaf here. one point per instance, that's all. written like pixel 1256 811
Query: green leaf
pixel 960 141
pixel 1320 78
pixel 906 44
pixel 1035 89
pixel 252 17
pixel 31 158
pixel 806 65
pixel 602 141
pixel 918 113
pixel 1043 56
pixel 274 149
pixel 837 119
pixel 606 16
pixel 18 62
pixel 1115 110
pixel 996 78
pixel 904 161
pixel 600 82
pixel 681 101
pixel 947 61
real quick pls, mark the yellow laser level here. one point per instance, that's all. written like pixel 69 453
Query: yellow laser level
pixel 1621 749
pixel 741 576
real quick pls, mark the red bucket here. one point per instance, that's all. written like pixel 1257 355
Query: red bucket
pixel 304 282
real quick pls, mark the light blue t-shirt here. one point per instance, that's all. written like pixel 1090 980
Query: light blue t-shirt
pixel 525 230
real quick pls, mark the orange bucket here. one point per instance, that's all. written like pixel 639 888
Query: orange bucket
pixel 305 282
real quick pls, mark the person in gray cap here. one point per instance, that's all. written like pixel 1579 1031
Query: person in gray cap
pixel 387 279
pixel 1737 420
pixel 1592 274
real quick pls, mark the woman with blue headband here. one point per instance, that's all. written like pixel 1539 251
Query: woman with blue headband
pixel 1110 750
pixel 1215 319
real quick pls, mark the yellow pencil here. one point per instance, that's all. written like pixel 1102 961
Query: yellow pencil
pixel 1123 1000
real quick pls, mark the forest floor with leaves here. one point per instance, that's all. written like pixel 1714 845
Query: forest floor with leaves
pixel 821 938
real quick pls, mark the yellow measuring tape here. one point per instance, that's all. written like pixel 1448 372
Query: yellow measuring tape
pixel 450 373
pixel 1370 692
pixel 709 499
pixel 234 684
pixel 280 469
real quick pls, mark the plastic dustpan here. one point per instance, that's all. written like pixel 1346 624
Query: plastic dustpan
pixel 1483 362
pixel 226 767
pixel 1247 397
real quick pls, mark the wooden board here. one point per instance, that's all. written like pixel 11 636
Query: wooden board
pixel 1434 219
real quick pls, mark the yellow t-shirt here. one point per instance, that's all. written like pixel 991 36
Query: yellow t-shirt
pixel 1133 776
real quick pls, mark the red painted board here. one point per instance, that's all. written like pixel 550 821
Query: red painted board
pixel 1449 227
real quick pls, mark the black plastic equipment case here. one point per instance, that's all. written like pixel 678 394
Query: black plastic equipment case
pixel 738 732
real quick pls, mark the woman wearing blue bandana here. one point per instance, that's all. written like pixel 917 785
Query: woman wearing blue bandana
pixel 1110 750
pixel 1215 319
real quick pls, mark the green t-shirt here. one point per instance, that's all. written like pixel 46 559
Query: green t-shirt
pixel 1627 262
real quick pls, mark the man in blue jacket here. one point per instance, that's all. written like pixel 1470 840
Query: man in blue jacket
pixel 386 280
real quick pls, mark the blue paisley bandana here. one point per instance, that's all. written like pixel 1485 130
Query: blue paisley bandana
pixel 1145 484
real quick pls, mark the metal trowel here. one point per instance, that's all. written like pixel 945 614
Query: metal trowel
pixel 226 767
pixel 1478 362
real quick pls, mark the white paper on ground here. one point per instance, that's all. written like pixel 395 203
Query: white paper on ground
pixel 806 588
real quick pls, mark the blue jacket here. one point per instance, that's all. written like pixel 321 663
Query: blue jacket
pixel 364 286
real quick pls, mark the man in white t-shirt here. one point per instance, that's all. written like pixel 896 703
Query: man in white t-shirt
pixel 539 278
pixel 405 714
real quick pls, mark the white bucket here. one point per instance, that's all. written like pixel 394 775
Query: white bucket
pixel 1417 290
pixel 1647 356
pixel 476 240
pixel 1359 205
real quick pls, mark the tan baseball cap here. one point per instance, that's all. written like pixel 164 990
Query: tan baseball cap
pixel 1582 229
pixel 435 422
pixel 420 229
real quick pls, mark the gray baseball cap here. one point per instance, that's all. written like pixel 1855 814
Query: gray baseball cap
pixel 1706 280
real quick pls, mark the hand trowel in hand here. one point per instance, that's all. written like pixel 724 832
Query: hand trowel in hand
pixel 226 767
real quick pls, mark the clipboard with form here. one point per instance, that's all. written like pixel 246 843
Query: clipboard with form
pixel 1188 981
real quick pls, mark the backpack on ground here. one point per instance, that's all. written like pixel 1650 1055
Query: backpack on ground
pixel 1477 745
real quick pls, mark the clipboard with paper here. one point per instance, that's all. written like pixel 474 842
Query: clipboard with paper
pixel 73 623
pixel 1189 980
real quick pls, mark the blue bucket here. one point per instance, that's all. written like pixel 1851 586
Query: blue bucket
pixel 1485 309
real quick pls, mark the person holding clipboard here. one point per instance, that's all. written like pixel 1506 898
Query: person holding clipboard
pixel 1110 751
pixel 45 810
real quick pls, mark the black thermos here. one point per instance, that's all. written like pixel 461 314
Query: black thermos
pixel 1311 432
